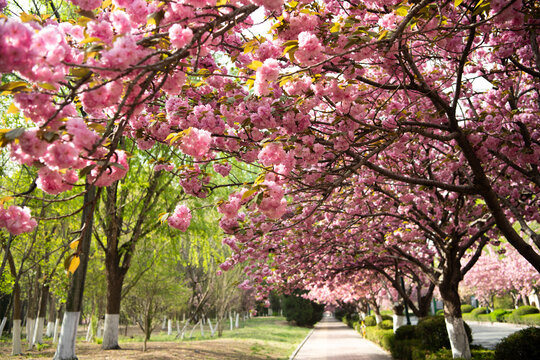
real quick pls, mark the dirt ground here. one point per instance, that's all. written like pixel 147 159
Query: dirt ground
pixel 221 349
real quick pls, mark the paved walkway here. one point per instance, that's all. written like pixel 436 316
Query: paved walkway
pixel 333 340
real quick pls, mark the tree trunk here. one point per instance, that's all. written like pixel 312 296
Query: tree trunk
pixel 454 322
pixel 114 296
pixel 51 316
pixel 398 318
pixel 16 332
pixel 68 335
pixel 59 316
pixel 40 323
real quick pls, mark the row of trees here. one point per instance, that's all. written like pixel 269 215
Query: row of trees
pixel 398 137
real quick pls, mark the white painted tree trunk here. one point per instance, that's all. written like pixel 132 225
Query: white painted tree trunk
pixel 178 326
pixel 231 321
pixel 399 320
pixel 193 329
pixel 184 330
pixel 38 330
pixel 99 331
pixel 169 327
pixel 458 338
pixel 16 347
pixel 55 331
pixel 90 331
pixel 50 329
pixel 3 324
pixel 68 337
pixel 212 330
pixel 237 324
pixel 362 315
pixel 164 325
pixel 202 327
pixel 378 318
pixel 110 333
pixel 30 324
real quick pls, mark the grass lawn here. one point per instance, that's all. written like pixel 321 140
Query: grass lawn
pixel 258 339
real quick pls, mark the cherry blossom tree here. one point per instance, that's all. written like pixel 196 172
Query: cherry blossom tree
pixel 423 101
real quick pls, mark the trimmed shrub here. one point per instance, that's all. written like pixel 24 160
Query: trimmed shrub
pixel 439 312
pixel 446 354
pixel 370 321
pixel 376 335
pixel 497 315
pixel 406 332
pixel 466 308
pixel 386 324
pixel 484 317
pixel 302 311
pixel 387 317
pixel 521 345
pixel 432 332
pixel 521 311
pixel 478 311
pixel 525 310
pixel 530 319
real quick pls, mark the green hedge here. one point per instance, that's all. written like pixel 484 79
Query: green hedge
pixel 522 345
pixel 382 337
pixel 407 345
pixel 466 308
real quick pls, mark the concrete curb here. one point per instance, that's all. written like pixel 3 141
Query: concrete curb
pixel 301 344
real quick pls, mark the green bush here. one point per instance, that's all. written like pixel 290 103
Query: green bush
pixel 370 321
pixel 521 311
pixel 386 324
pixel 406 332
pixel 478 311
pixel 466 308
pixel 387 317
pixel 404 349
pixel 377 335
pixel 530 319
pixel 432 332
pixel 446 354
pixel 302 311
pixel 497 315
pixel 522 345
pixel 525 310
pixel 483 317
pixel 439 312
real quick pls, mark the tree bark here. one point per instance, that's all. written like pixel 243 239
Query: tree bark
pixel 40 323
pixel 51 316
pixel 452 311
pixel 68 335
pixel 16 348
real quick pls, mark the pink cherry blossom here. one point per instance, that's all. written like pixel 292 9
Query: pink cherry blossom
pixel 180 218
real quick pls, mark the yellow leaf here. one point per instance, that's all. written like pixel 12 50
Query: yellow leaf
pixel 255 65
pixel 74 264
pixel 74 244
pixel 106 4
pixel 383 34
pixel 335 28
pixel 28 17
pixel 402 11
pixel 47 86
pixel 221 2
pixel 457 2
pixel 12 109
pixel 4 199
pixel 248 193
pixel 90 39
